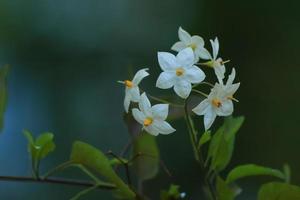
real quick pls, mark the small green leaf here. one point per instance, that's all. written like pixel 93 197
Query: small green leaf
pixel 45 145
pixel 205 137
pixel 90 157
pixel 147 164
pixel 222 143
pixel 171 194
pixel 224 192
pixel 252 170
pixel 279 191
pixel 3 93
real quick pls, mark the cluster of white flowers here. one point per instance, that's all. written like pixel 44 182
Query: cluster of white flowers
pixel 180 72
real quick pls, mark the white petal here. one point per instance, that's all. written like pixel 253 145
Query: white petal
pixel 127 102
pixel 226 109
pixel 160 111
pixel 178 46
pixel 231 89
pixel 183 88
pixel 186 57
pixel 134 93
pixel 163 127
pixel 203 53
pixel 145 105
pixel 184 36
pixel 209 118
pixel 138 116
pixel 167 61
pixel 198 41
pixel 139 76
pixel 166 80
pixel 231 77
pixel 215 47
pixel 151 130
pixel 194 74
pixel 201 109
pixel 220 71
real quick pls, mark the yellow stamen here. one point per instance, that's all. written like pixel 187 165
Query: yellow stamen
pixel 179 71
pixel 128 83
pixel 193 46
pixel 148 121
pixel 217 103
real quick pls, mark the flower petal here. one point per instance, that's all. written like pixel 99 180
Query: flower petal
pixel 183 88
pixel 209 118
pixel 167 61
pixel 160 111
pixel 197 40
pixel 186 57
pixel 138 115
pixel 220 71
pixel 231 77
pixel 215 47
pixel 178 46
pixel 163 127
pixel 226 109
pixel 152 130
pixel 134 93
pixel 231 89
pixel 166 80
pixel 194 74
pixel 139 76
pixel 201 109
pixel 127 102
pixel 145 105
pixel 203 53
pixel 184 36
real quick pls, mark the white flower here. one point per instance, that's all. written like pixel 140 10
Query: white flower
pixel 179 72
pixel 132 92
pixel 153 118
pixel 215 62
pixel 218 102
pixel 186 40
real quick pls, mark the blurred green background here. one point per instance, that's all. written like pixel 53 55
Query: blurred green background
pixel 67 56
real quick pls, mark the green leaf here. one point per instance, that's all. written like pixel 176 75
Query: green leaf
pixel 171 194
pixel 224 192
pixel 147 164
pixel 90 157
pixel 279 191
pixel 40 147
pixel 287 173
pixel 222 143
pixel 45 145
pixel 3 93
pixel 252 170
pixel 205 137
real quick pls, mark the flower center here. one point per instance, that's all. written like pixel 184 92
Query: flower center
pixel 128 83
pixel 148 121
pixel 217 103
pixel 193 46
pixel 179 71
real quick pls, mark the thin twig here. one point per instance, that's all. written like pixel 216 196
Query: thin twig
pixel 57 181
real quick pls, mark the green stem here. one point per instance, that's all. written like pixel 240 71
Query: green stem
pixel 199 92
pixel 58 169
pixel 203 83
pixel 197 151
pixel 164 101
pixel 84 192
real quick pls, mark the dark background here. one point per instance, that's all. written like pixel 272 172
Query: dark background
pixel 67 56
